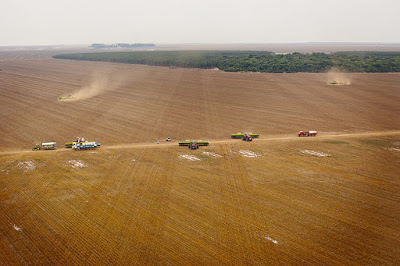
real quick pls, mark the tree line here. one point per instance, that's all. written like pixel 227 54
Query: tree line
pixel 253 61
pixel 122 45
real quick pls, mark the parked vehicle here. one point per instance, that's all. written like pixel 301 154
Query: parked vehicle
pixel 45 146
pixel 307 133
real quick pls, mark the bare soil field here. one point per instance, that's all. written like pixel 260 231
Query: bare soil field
pixel 330 199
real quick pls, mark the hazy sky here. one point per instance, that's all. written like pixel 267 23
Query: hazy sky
pixel 36 22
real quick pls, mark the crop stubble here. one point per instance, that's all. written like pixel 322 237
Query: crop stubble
pixel 143 204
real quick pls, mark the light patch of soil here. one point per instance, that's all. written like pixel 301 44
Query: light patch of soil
pixel 189 157
pixel 315 153
pixel 212 154
pixel 392 149
pixel 27 165
pixel 76 164
pixel 247 153
pixel 271 240
pixel 17 228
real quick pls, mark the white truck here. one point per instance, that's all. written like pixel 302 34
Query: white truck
pixel 84 145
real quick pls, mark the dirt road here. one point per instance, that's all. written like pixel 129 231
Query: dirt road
pixel 260 139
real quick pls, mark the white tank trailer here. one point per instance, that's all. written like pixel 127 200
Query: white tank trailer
pixel 45 146
pixel 84 145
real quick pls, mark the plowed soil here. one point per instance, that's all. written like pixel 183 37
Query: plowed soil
pixel 133 201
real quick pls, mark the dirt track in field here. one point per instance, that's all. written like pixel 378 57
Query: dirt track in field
pixel 280 199
pixel 260 139
pixel 152 103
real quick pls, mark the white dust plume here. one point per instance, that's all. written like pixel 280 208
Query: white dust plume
pixel 98 84
pixel 337 77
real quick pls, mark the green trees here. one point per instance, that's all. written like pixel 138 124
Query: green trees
pixel 253 61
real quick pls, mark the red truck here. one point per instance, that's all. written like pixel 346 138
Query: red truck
pixel 307 133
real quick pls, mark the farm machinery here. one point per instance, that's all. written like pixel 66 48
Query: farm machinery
pixel 84 145
pixel 245 136
pixel 45 146
pixel 194 145
pixel 81 144
pixel 307 133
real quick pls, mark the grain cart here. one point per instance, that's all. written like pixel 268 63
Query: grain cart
pixel 242 135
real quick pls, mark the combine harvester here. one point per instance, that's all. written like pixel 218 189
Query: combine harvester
pixel 307 133
pixel 245 136
pixel 45 146
pixel 194 145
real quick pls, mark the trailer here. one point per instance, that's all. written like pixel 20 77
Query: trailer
pixel 45 146
pixel 307 133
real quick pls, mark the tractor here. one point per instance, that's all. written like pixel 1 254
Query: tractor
pixel 247 137
pixel 193 146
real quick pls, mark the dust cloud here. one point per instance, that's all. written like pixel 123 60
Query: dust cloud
pixel 98 84
pixel 337 77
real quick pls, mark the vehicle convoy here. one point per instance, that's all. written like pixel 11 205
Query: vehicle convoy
pixel 307 133
pixel 245 136
pixel 45 146
pixel 194 145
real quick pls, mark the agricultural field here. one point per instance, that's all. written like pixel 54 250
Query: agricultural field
pixel 280 199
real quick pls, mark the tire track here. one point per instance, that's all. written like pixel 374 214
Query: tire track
pixel 225 141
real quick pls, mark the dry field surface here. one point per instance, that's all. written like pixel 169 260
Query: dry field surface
pixel 330 199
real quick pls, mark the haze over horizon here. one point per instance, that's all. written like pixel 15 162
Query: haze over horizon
pixel 46 22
